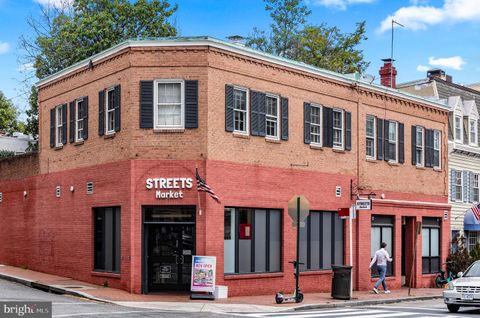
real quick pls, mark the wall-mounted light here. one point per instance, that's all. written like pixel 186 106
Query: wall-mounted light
pixel 72 189
pixel 25 193
pixel 382 195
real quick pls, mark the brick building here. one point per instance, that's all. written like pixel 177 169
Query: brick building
pixel 111 196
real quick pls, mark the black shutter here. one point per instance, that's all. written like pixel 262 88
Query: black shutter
pixel 52 127
pixel 254 116
pixel 117 101
pixel 261 110
pixel 386 144
pixel 379 139
pixel 414 145
pixel 101 113
pixel 284 111
pixel 429 160
pixel 72 121
pixel 306 122
pixel 85 118
pixel 401 143
pixel 146 104
pixel 191 104
pixel 327 127
pixel 348 131
pixel 64 124
pixel 229 108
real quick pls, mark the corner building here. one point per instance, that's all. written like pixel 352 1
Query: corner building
pixel 111 196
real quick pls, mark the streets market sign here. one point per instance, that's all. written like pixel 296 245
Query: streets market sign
pixel 169 188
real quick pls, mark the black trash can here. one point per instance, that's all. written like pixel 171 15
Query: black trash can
pixel 341 281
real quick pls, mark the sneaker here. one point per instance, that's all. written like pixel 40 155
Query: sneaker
pixel 375 290
pixel 387 292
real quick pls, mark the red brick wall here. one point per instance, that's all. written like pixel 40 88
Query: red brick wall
pixel 20 166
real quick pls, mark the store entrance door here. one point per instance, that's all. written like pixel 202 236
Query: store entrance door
pixel 168 250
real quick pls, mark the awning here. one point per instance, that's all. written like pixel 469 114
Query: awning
pixel 471 221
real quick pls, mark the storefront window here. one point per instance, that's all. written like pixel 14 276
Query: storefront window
pixel 106 239
pixel 472 239
pixel 252 240
pixel 321 241
pixel 430 245
pixel 382 231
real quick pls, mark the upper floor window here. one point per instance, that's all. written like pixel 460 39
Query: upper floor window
pixel 473 132
pixel 437 141
pixel 170 105
pixel 60 121
pixel 272 111
pixel 419 149
pixel 338 128
pixel 370 137
pixel 240 110
pixel 458 128
pixel 458 183
pixel 315 124
pixel 392 140
pixel 475 187
pixel 80 116
pixel 110 111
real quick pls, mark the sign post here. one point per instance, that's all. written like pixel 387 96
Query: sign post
pixel 298 209
pixel 418 230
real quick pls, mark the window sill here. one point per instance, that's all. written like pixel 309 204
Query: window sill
pixel 338 150
pixel 375 278
pixel 109 135
pixel 420 167
pixel 316 147
pixel 252 276
pixel 58 147
pixel 437 169
pixel 371 160
pixel 168 130
pixel 78 143
pixel 393 163
pixel 241 135
pixel 429 275
pixel 272 140
pixel 317 272
pixel 105 274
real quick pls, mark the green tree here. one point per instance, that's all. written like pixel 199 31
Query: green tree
pixel 319 45
pixel 6 154
pixel 460 258
pixel 31 127
pixel 8 115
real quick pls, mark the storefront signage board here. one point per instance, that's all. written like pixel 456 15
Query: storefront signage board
pixel 363 204
pixel 168 188
pixel 203 274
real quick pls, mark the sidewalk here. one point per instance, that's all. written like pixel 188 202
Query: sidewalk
pixel 182 301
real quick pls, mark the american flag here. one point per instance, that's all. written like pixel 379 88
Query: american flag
pixel 476 212
pixel 203 186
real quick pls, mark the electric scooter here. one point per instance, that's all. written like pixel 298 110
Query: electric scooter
pixel 441 280
pixel 280 297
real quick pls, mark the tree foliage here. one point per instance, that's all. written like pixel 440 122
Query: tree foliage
pixel 319 45
pixel 460 258
pixel 31 127
pixel 6 154
pixel 8 115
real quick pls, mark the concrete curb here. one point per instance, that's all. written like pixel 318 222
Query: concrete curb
pixel 351 303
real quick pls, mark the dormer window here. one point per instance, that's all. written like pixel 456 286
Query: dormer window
pixel 458 128
pixel 473 132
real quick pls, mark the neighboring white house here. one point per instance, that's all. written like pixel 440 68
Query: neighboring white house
pixel 17 143
pixel 463 148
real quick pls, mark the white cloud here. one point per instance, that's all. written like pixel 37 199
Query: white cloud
pixel 60 4
pixel 339 4
pixel 422 68
pixel 25 67
pixel 419 16
pixel 4 47
pixel 454 62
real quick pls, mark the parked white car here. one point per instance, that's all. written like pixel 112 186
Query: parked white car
pixel 464 291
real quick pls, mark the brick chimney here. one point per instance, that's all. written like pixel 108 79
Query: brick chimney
pixel 388 73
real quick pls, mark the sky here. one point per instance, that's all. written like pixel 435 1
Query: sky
pixel 436 33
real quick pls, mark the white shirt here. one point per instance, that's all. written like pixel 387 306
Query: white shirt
pixel 381 257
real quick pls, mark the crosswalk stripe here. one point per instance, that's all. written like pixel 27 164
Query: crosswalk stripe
pixel 290 313
pixel 344 313
pixel 389 314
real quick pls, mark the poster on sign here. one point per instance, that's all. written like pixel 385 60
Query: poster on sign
pixel 203 274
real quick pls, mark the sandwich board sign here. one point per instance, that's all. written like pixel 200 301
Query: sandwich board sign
pixel 203 274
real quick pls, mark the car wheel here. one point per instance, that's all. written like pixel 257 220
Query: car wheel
pixel 453 308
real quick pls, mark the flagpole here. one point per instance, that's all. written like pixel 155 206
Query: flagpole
pixel 198 193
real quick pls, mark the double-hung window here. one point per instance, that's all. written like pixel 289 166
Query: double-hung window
pixel 240 110
pixel 437 141
pixel 79 117
pixel 271 116
pixel 420 147
pixel 458 128
pixel 392 140
pixel 475 187
pixel 316 125
pixel 473 132
pixel 110 111
pixel 338 128
pixel 430 245
pixel 370 137
pixel 59 126
pixel 458 185
pixel 170 104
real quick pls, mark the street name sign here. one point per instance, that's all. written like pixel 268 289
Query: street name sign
pixel 363 204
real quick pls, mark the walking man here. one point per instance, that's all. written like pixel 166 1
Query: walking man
pixel 381 257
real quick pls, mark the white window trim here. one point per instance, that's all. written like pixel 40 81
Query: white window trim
pixel 58 125
pixel 155 105
pixel 247 117
pixel 374 157
pixel 477 185
pixel 277 137
pixel 318 144
pixel 461 186
pixel 439 149
pixel 112 131
pixel 455 128
pixel 77 139
pixel 422 163
pixel 474 141
pixel 342 132
pixel 396 141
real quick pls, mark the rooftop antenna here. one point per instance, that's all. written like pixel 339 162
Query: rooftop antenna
pixel 391 52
